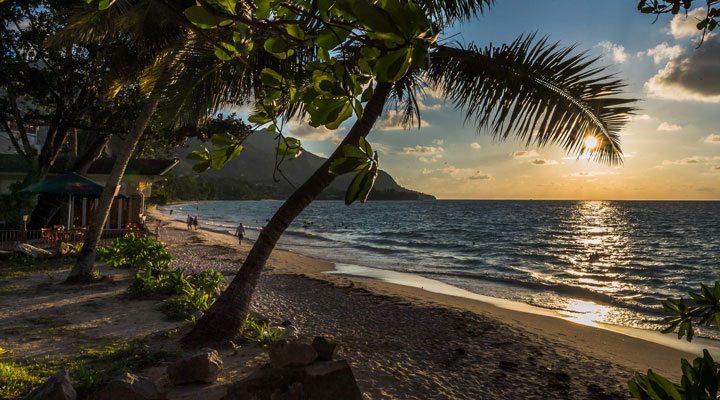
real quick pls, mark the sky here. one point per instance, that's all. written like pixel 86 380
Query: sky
pixel 671 147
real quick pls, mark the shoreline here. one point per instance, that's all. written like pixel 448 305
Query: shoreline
pixel 634 349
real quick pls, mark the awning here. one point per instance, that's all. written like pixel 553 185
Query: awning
pixel 71 184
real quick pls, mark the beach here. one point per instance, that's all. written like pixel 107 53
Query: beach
pixel 409 343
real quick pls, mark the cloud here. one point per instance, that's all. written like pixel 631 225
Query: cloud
pixel 480 176
pixel 424 150
pixel 669 127
pixel 543 162
pixel 520 154
pixel 683 26
pixel 713 139
pixel 693 160
pixel 693 76
pixel 424 107
pixel 590 174
pixel 662 52
pixel 439 142
pixel 641 117
pixel 303 130
pixel 475 146
pixel 392 121
pixel 616 51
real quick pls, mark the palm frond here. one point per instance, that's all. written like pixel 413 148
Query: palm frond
pixel 540 92
pixel 447 12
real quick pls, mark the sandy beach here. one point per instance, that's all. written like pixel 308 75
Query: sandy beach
pixel 409 343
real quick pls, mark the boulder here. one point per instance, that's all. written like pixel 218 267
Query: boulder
pixel 203 366
pixel 31 251
pixel 292 354
pixel 324 348
pixel 322 380
pixel 57 387
pixel 130 387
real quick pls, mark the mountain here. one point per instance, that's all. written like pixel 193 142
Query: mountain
pixel 250 175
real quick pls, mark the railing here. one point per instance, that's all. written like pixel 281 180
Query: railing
pixel 50 239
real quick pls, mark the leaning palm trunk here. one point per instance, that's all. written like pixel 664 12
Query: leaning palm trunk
pixel 82 271
pixel 224 319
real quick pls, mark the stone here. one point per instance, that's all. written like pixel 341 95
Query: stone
pixel 322 380
pixel 203 366
pixel 57 387
pixel 197 315
pixel 292 354
pixel 130 387
pixel 324 348
pixel 31 251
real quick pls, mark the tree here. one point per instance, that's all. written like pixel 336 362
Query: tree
pixel 180 85
pixel 371 55
pixel 706 25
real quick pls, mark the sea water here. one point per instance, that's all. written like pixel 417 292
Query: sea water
pixel 603 261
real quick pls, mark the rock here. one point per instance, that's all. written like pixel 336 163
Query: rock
pixel 130 387
pixel 324 348
pixel 322 380
pixel 200 367
pixel 292 355
pixel 197 315
pixel 57 387
pixel 31 251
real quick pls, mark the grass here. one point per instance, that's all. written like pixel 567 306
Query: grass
pixel 24 266
pixel 91 369
pixel 261 333
pixel 14 290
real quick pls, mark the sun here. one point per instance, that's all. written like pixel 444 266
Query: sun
pixel 591 142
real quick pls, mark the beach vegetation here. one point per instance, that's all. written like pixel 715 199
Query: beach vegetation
pixel 700 378
pixel 261 332
pixel 137 252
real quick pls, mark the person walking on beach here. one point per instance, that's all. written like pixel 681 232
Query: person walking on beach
pixel 195 223
pixel 189 222
pixel 240 233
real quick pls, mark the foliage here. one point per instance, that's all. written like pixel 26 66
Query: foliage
pixel 700 379
pixel 262 333
pixel 136 251
pixel 190 292
pixel 674 7
pixel 16 379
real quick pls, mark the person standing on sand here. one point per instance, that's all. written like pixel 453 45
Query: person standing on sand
pixel 171 210
pixel 189 222
pixel 195 223
pixel 240 233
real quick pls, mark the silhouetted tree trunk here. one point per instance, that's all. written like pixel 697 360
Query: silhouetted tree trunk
pixel 82 271
pixel 223 321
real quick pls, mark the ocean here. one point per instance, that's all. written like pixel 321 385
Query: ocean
pixel 602 261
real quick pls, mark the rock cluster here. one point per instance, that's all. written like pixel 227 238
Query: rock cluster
pixel 57 387
pixel 299 371
pixel 203 366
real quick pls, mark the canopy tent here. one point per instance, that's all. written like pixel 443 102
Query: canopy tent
pixel 71 184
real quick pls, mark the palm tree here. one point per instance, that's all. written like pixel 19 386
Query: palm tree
pixel 530 89
pixel 186 84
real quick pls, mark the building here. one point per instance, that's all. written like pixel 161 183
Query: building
pixel 129 204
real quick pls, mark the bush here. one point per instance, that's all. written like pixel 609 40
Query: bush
pixel 192 292
pixel 701 377
pixel 262 333
pixel 141 252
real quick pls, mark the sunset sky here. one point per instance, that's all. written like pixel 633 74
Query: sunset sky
pixel 672 147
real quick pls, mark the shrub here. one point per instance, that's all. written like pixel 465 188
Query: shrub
pixel 141 252
pixel 701 377
pixel 262 333
pixel 192 292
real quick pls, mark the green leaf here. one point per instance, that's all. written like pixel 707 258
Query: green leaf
pixel 278 47
pixel 260 119
pixel 345 165
pixel 270 77
pixel 289 147
pixel 262 9
pixel 345 112
pixel 202 18
pixel 393 65
pixel 201 167
pixel 331 37
pixel 198 155
pixel 222 139
pixel 226 52
pixel 295 31
pixel 104 4
pixel 353 191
